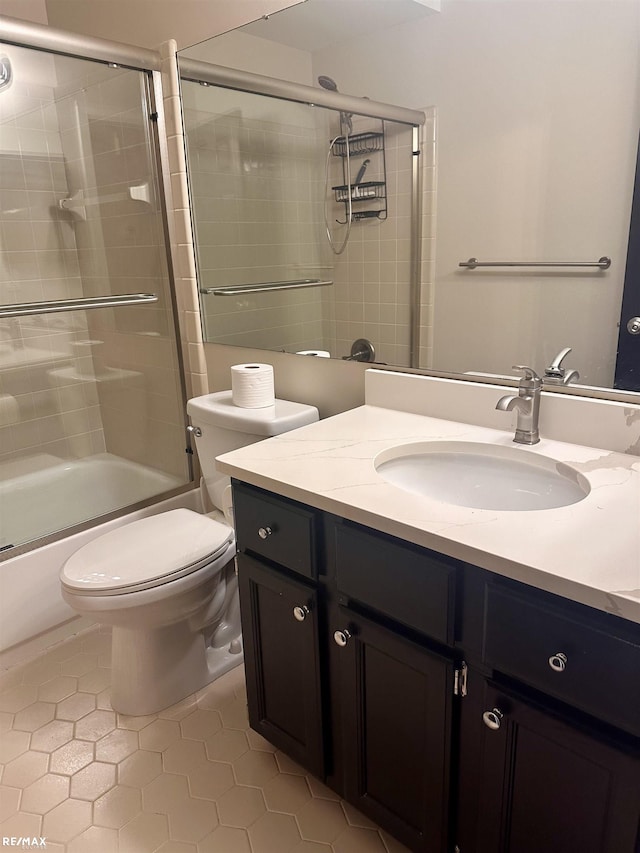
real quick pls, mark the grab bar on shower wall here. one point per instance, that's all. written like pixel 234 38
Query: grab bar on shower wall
pixel 56 306
pixel 602 263
pixel 233 290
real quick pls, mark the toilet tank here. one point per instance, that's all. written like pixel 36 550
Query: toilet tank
pixel 226 427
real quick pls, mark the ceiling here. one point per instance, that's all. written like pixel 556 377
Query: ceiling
pixel 316 24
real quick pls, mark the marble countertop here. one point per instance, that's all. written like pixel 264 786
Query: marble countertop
pixel 588 552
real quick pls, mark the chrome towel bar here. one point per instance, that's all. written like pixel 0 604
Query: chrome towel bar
pixel 602 263
pixel 57 306
pixel 234 289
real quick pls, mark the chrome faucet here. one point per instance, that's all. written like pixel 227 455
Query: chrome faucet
pixel 556 375
pixel 527 404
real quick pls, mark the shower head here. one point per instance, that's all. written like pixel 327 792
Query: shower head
pixel 328 83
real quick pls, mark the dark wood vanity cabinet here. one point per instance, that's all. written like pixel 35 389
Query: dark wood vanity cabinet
pixel 533 781
pixel 396 716
pixel 354 647
pixel 282 661
pixel 549 743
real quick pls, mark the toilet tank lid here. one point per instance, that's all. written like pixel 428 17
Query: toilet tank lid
pixel 157 548
pixel 218 409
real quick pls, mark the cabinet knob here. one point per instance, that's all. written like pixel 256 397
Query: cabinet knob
pixel 341 638
pixel 558 662
pixel 264 532
pixel 493 719
pixel 300 612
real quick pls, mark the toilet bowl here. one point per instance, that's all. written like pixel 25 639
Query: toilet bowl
pixel 167 583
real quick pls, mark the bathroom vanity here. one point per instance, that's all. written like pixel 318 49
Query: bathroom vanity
pixel 467 678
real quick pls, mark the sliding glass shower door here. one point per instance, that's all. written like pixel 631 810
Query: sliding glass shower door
pixel 91 393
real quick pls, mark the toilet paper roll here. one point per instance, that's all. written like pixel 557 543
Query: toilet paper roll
pixel 9 410
pixel 252 385
pixel 321 353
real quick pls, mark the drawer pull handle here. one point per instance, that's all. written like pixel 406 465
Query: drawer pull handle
pixel 558 662
pixel 300 612
pixel 341 638
pixel 493 719
pixel 264 532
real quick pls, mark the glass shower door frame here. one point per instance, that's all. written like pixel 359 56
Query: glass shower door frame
pixel 52 41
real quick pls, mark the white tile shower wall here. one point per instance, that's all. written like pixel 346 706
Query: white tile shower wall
pixel 372 275
pixel 180 230
pixel 39 262
pixel 258 210
pixel 121 250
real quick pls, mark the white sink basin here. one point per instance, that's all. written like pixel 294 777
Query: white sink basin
pixel 482 476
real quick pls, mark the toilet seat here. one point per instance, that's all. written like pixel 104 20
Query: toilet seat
pixel 146 553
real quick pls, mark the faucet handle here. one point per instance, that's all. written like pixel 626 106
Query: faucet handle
pixel 529 372
pixel 557 361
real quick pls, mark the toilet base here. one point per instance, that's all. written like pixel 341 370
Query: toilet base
pixel 153 669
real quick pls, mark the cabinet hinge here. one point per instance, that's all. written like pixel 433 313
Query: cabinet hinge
pixel 460 680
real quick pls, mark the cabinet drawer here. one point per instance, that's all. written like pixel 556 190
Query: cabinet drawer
pixel 404 582
pixel 571 660
pixel 272 527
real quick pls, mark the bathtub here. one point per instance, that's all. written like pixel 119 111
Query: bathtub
pixel 36 498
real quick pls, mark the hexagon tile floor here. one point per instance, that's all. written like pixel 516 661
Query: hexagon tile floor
pixel 191 779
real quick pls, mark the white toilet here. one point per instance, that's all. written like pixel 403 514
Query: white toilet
pixel 167 583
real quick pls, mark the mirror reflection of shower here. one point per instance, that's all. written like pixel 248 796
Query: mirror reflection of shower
pixel 346 129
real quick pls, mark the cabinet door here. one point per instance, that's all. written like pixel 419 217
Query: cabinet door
pixel 395 700
pixel 541 784
pixel 280 632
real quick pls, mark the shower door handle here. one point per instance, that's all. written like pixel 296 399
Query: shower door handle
pixel 59 306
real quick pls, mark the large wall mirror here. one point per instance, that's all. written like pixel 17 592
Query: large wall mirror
pixel 528 145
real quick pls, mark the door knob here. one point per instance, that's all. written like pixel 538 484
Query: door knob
pixel 300 612
pixel 493 719
pixel 341 638
pixel 264 532
pixel 633 326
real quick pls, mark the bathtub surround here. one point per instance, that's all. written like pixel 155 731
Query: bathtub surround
pixel 30 624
